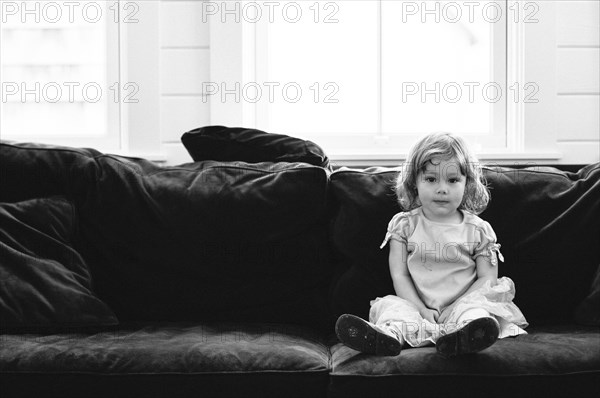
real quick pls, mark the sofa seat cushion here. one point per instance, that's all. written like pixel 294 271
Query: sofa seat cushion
pixel 557 360
pixel 218 360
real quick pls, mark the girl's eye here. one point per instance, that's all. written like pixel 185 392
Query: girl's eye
pixel 430 179
pixel 454 180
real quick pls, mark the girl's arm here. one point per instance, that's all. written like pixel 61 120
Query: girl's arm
pixel 403 283
pixel 485 272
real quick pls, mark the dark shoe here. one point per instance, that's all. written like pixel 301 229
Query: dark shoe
pixel 475 336
pixel 362 336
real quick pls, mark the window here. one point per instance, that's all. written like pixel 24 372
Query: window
pixel 81 73
pixel 365 78
pixel 60 73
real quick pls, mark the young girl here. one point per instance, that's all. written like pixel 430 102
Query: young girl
pixel 442 261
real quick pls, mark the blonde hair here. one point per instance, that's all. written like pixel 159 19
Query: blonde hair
pixel 443 146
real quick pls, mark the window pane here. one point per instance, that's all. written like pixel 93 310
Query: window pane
pixel 437 67
pixel 54 69
pixel 403 68
pixel 330 53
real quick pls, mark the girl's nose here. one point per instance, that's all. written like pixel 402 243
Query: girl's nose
pixel 442 188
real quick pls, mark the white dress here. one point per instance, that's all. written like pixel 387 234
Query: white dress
pixel 441 262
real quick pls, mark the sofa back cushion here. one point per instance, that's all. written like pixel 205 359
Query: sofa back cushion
pixel 31 170
pixel 208 240
pixel 200 241
pixel 546 221
pixel 45 285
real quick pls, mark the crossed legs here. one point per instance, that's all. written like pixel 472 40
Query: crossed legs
pixel 394 322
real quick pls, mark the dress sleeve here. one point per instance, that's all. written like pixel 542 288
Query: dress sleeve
pixel 398 229
pixel 487 245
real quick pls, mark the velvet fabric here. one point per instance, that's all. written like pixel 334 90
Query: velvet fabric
pixel 588 311
pixel 31 170
pixel 196 242
pixel 547 222
pixel 45 285
pixel 250 145
pixel 224 359
pixel 366 204
pixel 209 241
pixel 176 252
pixel 565 357
pixel 545 219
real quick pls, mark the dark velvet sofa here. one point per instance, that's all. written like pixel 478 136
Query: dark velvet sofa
pixel 224 276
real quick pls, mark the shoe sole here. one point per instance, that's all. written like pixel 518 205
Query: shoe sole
pixel 475 336
pixel 359 335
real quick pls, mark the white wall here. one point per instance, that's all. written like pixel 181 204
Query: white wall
pixel 570 115
pixel 577 80
pixel 184 66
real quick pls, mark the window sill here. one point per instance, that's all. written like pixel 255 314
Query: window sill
pixel 489 158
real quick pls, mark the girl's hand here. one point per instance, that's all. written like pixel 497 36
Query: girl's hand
pixel 429 314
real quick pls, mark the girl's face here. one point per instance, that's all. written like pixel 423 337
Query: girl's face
pixel 440 188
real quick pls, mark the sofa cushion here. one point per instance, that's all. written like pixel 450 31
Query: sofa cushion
pixel 209 240
pixel 31 170
pixel 168 360
pixel 366 204
pixel 550 361
pixel 250 145
pixel 44 282
pixel 545 220
pixel 588 311
pixel 203 241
